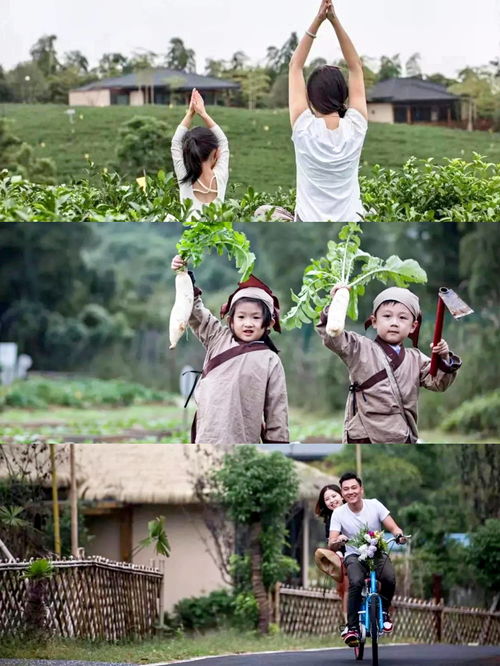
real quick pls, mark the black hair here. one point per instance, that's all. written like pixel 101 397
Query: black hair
pixel 197 145
pixel 348 476
pixel 327 90
pixel 393 303
pixel 322 510
pixel 266 319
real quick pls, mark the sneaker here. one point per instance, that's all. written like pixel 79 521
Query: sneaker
pixel 344 631
pixel 388 624
pixel 351 638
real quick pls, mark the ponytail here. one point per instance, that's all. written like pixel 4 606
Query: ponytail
pixel 266 339
pixel 197 146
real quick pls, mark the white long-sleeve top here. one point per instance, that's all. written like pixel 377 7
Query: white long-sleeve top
pixel 221 169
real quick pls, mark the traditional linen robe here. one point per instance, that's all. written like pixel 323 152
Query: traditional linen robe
pixel 373 413
pixel 244 396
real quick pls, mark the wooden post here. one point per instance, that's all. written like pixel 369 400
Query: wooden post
pixel 437 593
pixel 277 589
pixel 359 465
pixel 55 502
pixel 470 124
pixel 305 546
pixel 126 534
pixel 408 115
pixel 73 498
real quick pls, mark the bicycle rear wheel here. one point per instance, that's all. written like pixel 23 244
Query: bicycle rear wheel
pixel 374 629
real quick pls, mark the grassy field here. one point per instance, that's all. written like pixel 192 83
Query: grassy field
pixel 262 152
pixel 163 423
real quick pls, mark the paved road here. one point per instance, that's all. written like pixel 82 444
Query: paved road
pixel 397 655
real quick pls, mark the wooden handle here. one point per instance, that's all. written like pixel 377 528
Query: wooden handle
pixel 438 333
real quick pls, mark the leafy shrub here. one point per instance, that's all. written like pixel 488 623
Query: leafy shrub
pixel 482 414
pixel 40 393
pixel 211 611
pixel 456 191
pixel 19 158
pixel 143 143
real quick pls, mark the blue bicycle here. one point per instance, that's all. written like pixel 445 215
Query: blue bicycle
pixel 371 616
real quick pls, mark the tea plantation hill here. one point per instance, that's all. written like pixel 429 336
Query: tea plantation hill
pixel 261 148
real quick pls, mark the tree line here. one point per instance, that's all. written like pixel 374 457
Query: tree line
pixel 48 76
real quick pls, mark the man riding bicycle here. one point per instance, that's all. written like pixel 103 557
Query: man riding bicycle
pixel 346 522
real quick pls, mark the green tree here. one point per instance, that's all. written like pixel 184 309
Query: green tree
pixel 113 64
pixel 76 61
pixel 390 68
pixel 215 68
pixel 43 53
pixel 179 57
pixel 254 85
pixel 278 60
pixel 413 67
pixel 38 575
pixel 27 83
pixel 258 490
pixel 484 555
pixel 5 91
pixel 479 84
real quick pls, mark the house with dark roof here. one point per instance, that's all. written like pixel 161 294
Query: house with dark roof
pixel 412 100
pixel 152 86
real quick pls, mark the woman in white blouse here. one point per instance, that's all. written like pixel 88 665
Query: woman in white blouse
pixel 201 157
pixel 328 135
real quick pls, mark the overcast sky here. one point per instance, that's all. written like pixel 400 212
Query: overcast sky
pixel 448 34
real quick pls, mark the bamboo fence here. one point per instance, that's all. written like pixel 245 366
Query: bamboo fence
pixel 317 611
pixel 94 599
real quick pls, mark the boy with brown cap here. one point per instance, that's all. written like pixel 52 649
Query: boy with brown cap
pixel 385 376
pixel 241 396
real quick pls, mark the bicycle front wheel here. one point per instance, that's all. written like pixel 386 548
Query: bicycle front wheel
pixel 360 650
pixel 374 629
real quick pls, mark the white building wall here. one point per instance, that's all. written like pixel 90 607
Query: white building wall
pixel 136 98
pixel 380 113
pixel 90 97
pixel 190 570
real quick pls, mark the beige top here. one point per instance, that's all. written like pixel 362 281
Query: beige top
pixel 374 413
pixel 241 397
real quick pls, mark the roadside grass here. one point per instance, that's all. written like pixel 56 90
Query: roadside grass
pixel 162 649
pixel 261 149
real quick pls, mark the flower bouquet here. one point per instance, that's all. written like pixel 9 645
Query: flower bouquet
pixel 370 545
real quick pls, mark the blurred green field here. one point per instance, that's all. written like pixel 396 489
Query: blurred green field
pixel 145 423
pixel 262 151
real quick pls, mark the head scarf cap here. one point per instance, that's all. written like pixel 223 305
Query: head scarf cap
pixel 258 290
pixel 407 298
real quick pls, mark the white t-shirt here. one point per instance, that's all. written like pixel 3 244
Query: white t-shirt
pixel 221 169
pixel 327 167
pixel 349 523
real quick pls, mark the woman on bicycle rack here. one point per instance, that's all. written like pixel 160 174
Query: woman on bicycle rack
pixel 346 522
pixel 329 499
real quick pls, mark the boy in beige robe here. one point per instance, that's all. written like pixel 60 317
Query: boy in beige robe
pixel 385 377
pixel 241 396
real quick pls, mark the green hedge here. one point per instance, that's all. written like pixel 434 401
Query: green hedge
pixel 40 393
pixel 480 415
pixel 422 191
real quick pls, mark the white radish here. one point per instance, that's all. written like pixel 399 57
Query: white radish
pixel 337 313
pixel 182 308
